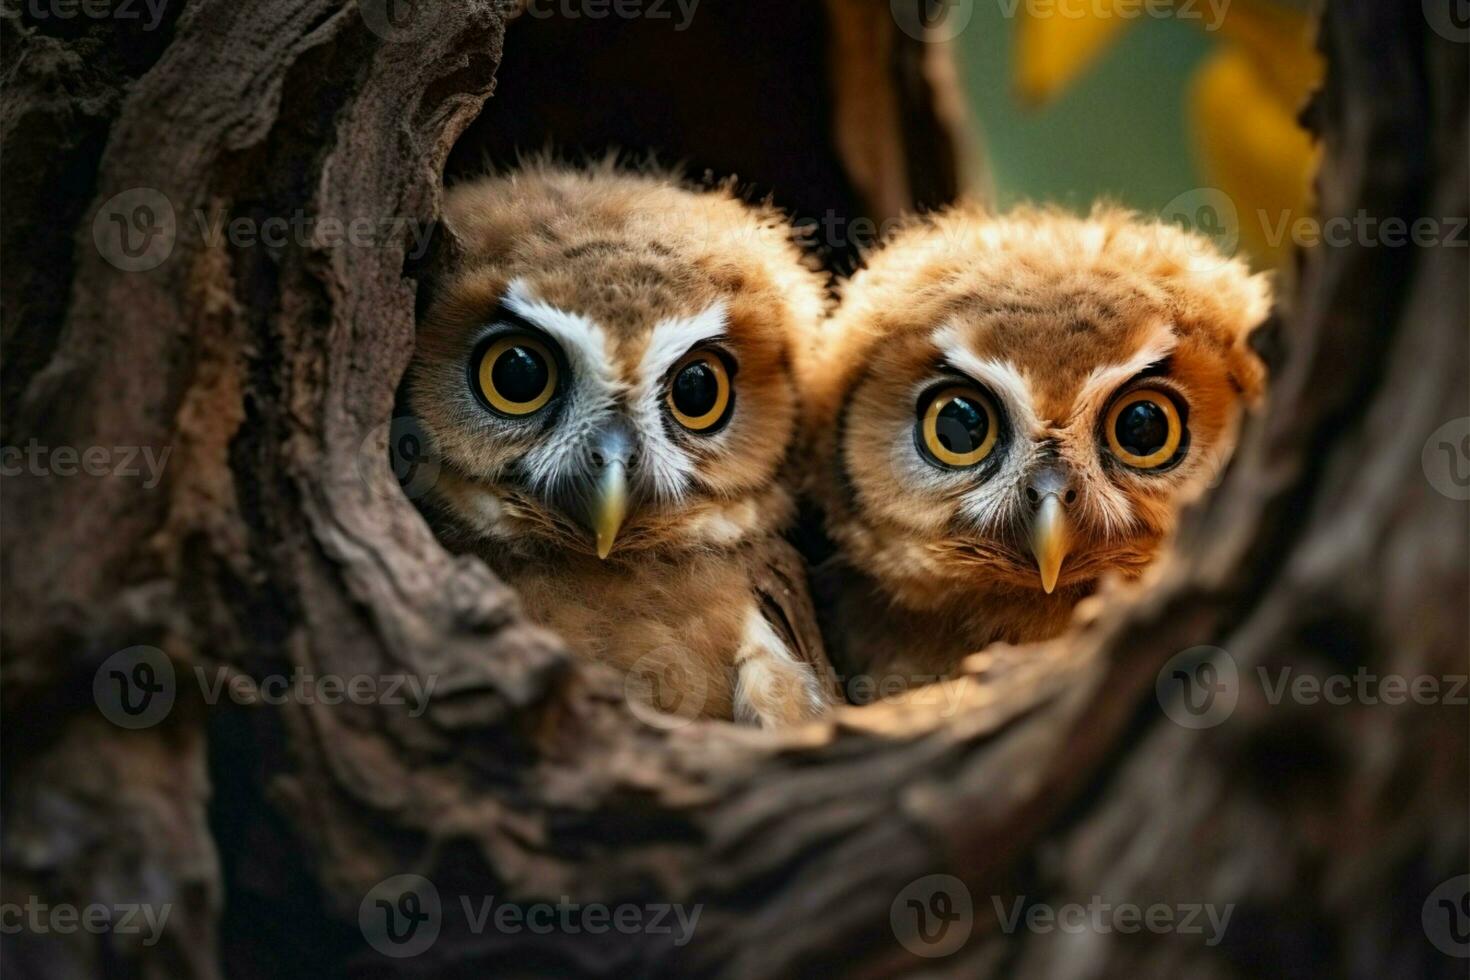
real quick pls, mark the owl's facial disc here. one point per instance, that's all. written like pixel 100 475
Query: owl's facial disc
pixel 596 439
pixel 959 428
pixel 1104 349
pixel 608 296
pixel 1033 496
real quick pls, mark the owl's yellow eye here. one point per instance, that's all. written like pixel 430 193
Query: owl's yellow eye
pixel 1143 429
pixel 516 375
pixel 699 391
pixel 960 426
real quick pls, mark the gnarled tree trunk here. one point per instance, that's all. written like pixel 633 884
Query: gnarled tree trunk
pixel 277 543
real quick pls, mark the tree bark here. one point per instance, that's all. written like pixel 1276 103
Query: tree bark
pixel 279 544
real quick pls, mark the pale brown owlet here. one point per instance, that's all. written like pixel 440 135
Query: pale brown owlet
pixel 1005 411
pixel 608 380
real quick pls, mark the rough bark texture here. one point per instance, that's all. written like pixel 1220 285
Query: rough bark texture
pixel 279 541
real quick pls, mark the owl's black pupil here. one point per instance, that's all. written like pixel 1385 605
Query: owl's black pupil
pixel 520 374
pixel 962 426
pixel 1142 428
pixel 696 389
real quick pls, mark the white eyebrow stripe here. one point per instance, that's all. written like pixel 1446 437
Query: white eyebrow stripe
pixel 1102 381
pixel 671 339
pixel 581 340
pixel 1000 377
pixel 669 468
pixel 592 389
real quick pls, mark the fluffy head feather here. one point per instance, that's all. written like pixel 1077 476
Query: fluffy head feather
pixel 621 274
pixel 1051 317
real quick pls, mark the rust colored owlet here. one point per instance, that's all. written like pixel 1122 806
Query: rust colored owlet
pixel 1006 410
pixel 608 381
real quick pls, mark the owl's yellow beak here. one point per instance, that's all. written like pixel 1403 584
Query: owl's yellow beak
pixel 610 505
pixel 1049 539
pixel 609 456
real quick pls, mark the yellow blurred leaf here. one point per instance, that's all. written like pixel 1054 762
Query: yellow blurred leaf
pixel 1055 43
pixel 1279 40
pixel 1250 146
pixel 1243 105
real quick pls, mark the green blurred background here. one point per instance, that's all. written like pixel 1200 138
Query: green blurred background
pixel 1119 132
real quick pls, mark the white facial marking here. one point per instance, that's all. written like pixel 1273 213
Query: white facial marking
pixel 1107 506
pixel 1105 379
pixel 1007 384
pixel 667 466
pixel 988 504
pixel 671 339
pixel 591 393
pixel 583 341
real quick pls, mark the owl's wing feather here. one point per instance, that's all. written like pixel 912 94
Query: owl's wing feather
pixel 781 589
pixel 877 640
